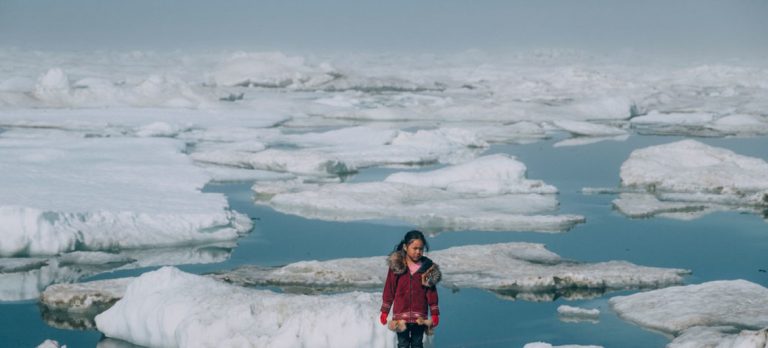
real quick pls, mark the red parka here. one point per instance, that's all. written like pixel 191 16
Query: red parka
pixel 411 294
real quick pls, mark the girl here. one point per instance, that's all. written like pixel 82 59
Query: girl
pixel 410 287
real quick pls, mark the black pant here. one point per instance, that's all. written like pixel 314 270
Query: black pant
pixel 412 337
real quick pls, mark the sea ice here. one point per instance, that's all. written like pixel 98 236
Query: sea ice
pixel 575 313
pixel 448 198
pixel 65 193
pixel 688 177
pixel 547 345
pixel 25 278
pixel 720 337
pixel 170 308
pixel 507 268
pixel 736 303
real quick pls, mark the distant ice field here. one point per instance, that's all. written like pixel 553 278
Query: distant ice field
pixel 113 164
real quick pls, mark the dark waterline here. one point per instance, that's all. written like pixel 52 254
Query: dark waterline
pixel 715 247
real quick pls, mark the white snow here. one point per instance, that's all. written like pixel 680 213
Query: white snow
pixel 269 69
pixel 720 337
pixel 547 345
pixel 170 308
pixel 570 311
pixel 488 193
pixel 690 168
pixel 521 267
pixel 49 343
pixel 736 303
pixel 588 129
pixel 65 192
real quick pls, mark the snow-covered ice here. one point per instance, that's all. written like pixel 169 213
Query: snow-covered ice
pixel 720 337
pixel 576 314
pixel 507 268
pixel 26 278
pixel 737 303
pixel 170 308
pixel 488 193
pixel 687 178
pixel 547 345
pixel 67 193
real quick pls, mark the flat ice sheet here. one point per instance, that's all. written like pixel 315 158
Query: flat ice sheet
pixel 505 267
pixel 64 193
pixel 737 303
pixel 170 308
pixel 488 193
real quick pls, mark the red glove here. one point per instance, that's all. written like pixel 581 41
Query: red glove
pixel 435 320
pixel 383 318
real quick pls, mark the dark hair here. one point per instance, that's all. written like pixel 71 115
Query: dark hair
pixel 410 237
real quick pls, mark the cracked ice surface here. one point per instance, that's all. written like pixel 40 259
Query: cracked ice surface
pixel 65 193
pixel 517 267
pixel 488 193
pixel 170 308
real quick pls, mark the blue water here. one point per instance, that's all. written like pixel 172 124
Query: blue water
pixel 718 246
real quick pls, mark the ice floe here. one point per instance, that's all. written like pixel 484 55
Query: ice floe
pixel 737 303
pixel 345 150
pixel 576 314
pixel 26 278
pixel 547 345
pixel 720 337
pixel 687 178
pixel 170 308
pixel 65 193
pixel 488 193
pixel 515 270
pixel 74 306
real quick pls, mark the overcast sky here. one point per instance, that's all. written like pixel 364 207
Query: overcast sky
pixel 739 26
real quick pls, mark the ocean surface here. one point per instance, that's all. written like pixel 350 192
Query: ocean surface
pixel 717 246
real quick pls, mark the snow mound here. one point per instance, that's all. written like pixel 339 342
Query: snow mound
pixel 170 308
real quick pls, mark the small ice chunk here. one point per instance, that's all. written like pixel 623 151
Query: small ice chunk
pixel 93 296
pixel 49 343
pixel 575 314
pixel 547 345
pixel 733 303
pixel 741 125
pixel 170 308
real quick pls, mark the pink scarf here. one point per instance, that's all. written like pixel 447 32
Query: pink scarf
pixel 413 267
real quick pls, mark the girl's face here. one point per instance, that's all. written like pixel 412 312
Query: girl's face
pixel 415 250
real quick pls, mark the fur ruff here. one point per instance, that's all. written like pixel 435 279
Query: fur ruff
pixel 429 278
pixel 399 325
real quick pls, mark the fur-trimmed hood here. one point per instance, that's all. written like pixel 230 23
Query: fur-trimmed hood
pixel 430 271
